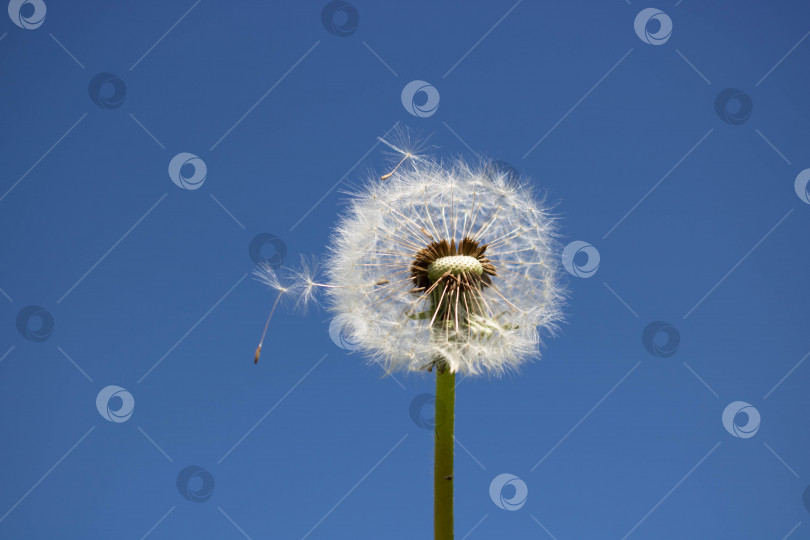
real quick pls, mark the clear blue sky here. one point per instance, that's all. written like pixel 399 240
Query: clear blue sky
pixel 145 281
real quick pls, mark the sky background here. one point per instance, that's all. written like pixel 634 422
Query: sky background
pixel 694 214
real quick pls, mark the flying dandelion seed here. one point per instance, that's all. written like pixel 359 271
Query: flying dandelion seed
pixel 405 143
pixel 265 273
pixel 296 285
pixel 443 264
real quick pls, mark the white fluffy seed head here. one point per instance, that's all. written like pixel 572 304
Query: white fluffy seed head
pixel 446 264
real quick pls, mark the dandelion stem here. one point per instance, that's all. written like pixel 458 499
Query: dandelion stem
pixel 443 468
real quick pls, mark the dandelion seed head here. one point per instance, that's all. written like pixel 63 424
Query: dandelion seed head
pixel 446 264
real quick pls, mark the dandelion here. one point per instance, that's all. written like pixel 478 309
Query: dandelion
pixel 445 266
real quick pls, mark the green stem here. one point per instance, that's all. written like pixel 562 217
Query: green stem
pixel 443 469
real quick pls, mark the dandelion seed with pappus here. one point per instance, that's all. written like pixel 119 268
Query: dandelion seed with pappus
pixel 447 266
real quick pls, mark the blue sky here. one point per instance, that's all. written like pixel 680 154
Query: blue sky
pixel 694 214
